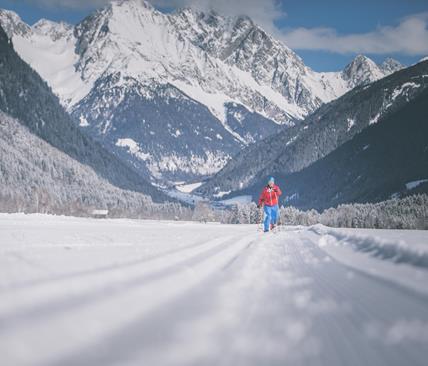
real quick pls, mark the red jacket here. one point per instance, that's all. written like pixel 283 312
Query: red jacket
pixel 270 196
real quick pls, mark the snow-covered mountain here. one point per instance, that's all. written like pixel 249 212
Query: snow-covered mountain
pixel 37 177
pixel 177 94
pixel 25 97
pixel 390 66
pixel 320 134
pixel 387 159
pixel 362 70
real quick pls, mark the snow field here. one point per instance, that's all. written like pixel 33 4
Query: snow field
pixel 81 291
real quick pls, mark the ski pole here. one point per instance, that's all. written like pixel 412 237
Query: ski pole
pixel 261 216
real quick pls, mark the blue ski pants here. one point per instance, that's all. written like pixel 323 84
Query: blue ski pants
pixel 271 216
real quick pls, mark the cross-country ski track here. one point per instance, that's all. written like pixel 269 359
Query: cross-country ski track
pixel 85 292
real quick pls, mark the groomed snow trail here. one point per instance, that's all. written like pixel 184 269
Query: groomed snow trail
pixel 126 292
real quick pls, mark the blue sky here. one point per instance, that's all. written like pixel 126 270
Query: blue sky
pixel 326 34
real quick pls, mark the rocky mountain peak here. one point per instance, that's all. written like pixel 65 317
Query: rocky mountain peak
pixel 361 70
pixel 230 80
pixel 53 29
pixel 13 24
pixel 390 65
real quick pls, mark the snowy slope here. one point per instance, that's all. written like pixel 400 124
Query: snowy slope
pixel 241 82
pixel 27 98
pixel 48 47
pixel 121 292
pixel 37 177
pixel 387 159
pixel 326 130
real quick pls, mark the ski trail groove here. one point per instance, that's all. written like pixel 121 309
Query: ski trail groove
pixel 44 293
pixel 242 298
pixel 137 300
pixel 78 274
pixel 98 292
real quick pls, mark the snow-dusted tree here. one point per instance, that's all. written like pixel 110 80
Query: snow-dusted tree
pixel 36 177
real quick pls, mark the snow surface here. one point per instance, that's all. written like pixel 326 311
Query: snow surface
pixel 93 292
pixel 392 247
pixel 183 192
pixel 351 123
pixel 221 194
pixel 54 60
pixel 188 188
pixel 133 148
pixel 403 88
pixel 415 183
pixel 237 200
pixel 186 197
pixel 375 119
pixel 83 122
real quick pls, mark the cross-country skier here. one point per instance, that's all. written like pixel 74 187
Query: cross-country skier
pixel 269 200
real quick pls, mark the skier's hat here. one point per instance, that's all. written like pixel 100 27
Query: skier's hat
pixel 271 179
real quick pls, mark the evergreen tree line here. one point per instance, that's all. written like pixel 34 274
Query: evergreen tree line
pixel 35 177
pixel 406 213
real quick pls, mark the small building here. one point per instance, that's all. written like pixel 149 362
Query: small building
pixel 99 214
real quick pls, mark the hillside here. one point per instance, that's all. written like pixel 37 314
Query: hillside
pixel 37 177
pixel 26 97
pixel 321 133
pixel 387 159
pixel 177 95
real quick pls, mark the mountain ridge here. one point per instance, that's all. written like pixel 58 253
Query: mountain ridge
pixel 27 98
pixel 127 53
pixel 385 160
pixel 322 132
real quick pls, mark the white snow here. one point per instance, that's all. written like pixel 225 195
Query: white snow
pixel 185 197
pixel 215 101
pixel 133 148
pixel 398 256
pixel 83 122
pixel 351 123
pixel 187 188
pixel 289 142
pixel 238 115
pixel 415 183
pixel 402 89
pixel 237 200
pixel 153 48
pixel 375 119
pixel 221 194
pixel 93 292
pixel 54 60
pixel 206 164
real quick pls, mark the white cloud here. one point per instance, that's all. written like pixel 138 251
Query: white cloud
pixel 409 37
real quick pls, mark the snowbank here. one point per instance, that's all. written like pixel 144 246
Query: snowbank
pixel 398 251
pixel 400 256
